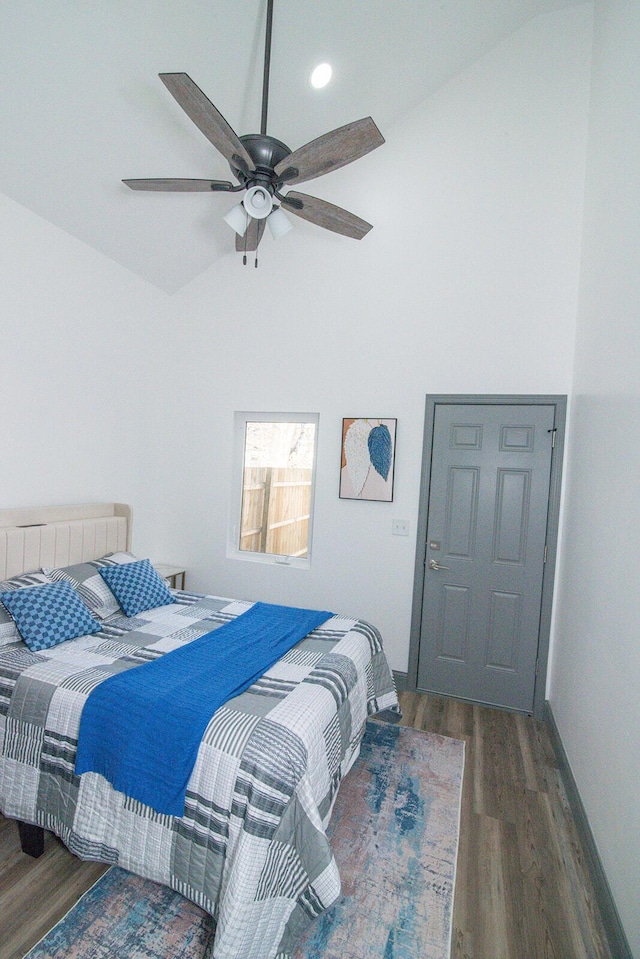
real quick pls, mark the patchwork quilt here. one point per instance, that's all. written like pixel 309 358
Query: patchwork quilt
pixel 251 847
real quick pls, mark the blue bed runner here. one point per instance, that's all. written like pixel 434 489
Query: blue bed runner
pixel 141 729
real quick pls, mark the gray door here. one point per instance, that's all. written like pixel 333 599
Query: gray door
pixel 486 530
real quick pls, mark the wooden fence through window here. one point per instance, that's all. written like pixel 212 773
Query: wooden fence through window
pixel 276 507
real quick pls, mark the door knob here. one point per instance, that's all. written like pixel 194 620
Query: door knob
pixel 433 564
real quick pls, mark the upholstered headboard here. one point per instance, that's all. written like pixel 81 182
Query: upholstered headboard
pixel 61 535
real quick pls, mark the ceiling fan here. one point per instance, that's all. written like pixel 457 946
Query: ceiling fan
pixel 263 165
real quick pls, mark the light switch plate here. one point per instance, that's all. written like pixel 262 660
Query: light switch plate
pixel 400 527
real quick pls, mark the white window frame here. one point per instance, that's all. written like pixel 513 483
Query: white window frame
pixel 241 418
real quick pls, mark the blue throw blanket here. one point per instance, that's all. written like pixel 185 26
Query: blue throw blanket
pixel 141 729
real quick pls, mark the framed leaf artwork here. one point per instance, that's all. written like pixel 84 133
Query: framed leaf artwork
pixel 368 458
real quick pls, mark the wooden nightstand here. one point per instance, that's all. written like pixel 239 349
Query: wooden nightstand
pixel 172 574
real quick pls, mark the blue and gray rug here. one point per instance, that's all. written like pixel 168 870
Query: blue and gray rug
pixel 394 833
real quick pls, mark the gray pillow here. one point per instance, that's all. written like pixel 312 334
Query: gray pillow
pixel 87 581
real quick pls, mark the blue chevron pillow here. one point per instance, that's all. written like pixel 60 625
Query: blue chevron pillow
pixel 49 614
pixel 136 586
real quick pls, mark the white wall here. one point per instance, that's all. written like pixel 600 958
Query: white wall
pixel 595 681
pixel 466 284
pixel 79 347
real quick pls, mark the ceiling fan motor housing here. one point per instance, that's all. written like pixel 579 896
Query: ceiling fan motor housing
pixel 266 152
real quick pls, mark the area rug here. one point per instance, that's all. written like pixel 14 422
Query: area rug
pixel 394 833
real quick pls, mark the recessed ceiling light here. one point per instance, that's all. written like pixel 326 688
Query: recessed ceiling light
pixel 321 75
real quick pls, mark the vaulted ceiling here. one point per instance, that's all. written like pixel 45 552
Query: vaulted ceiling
pixel 81 105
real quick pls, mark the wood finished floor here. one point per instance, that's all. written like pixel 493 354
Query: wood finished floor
pixel 522 891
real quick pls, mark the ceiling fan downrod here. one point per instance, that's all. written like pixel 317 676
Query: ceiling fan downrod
pixel 267 67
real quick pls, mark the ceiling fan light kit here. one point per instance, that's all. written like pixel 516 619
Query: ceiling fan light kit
pixel 258 202
pixel 263 165
pixel 278 223
pixel 238 219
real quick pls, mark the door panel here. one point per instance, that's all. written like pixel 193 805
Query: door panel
pixel 453 626
pixel 488 504
pixel 512 516
pixel 462 509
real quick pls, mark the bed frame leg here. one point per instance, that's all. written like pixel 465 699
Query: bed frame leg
pixel 31 839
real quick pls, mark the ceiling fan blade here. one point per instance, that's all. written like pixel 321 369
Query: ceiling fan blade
pixel 251 240
pixel 208 119
pixel 181 186
pixel 330 151
pixel 326 215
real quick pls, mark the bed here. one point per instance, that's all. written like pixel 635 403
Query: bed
pixel 251 847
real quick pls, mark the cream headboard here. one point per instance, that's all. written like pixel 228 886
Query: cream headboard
pixel 61 535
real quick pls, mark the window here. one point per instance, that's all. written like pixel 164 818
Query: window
pixel 274 478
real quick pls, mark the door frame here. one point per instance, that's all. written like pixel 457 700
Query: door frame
pixel 559 402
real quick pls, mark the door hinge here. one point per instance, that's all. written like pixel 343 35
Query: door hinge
pixel 553 436
pixel 544 558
